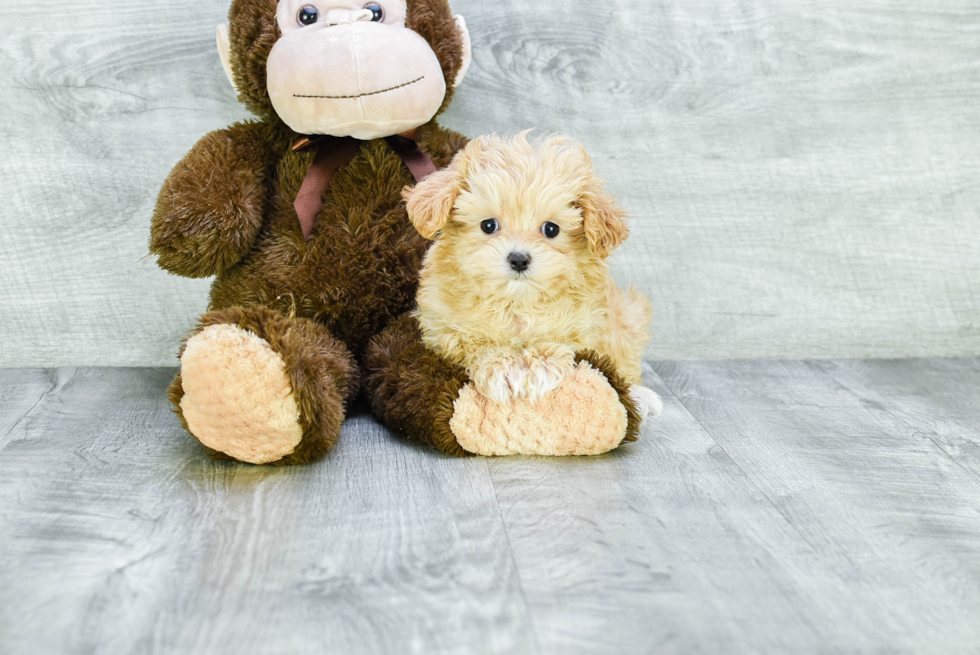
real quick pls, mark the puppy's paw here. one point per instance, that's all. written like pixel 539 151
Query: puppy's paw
pixel 501 379
pixel 530 374
pixel 547 367
pixel 647 401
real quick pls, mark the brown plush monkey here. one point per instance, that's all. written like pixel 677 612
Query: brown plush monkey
pixel 299 216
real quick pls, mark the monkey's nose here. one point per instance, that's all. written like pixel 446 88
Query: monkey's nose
pixel 519 261
pixel 346 16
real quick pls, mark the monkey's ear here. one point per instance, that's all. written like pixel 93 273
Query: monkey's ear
pixel 224 51
pixel 430 203
pixel 604 221
pixel 467 49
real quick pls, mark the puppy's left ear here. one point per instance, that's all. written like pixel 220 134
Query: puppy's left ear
pixel 604 220
pixel 430 203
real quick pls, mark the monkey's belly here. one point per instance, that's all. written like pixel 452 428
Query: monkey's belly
pixel 352 284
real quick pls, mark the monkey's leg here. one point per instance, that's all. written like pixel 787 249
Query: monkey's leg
pixel 411 388
pixel 414 390
pixel 262 388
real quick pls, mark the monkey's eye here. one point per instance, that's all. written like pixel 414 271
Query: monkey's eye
pixel 490 226
pixel 308 15
pixel 377 11
pixel 550 230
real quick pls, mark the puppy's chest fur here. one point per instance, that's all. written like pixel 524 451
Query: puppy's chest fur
pixel 460 326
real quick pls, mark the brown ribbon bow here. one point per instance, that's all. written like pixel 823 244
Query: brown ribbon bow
pixel 333 153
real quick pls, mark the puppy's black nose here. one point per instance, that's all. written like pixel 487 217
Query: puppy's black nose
pixel 519 261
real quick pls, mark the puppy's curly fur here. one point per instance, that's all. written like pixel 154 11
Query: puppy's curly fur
pixel 517 279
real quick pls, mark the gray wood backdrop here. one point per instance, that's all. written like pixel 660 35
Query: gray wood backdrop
pixel 804 175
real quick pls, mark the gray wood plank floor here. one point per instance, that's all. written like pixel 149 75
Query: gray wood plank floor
pixel 776 507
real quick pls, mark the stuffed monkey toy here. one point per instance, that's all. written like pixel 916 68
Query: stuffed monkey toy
pixel 299 217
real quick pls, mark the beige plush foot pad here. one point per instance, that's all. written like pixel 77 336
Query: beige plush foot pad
pixel 582 417
pixel 237 396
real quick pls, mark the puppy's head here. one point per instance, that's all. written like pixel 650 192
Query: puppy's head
pixel 515 217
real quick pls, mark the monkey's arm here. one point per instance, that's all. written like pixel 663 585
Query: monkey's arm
pixel 212 205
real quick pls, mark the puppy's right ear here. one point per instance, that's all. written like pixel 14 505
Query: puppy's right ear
pixel 430 203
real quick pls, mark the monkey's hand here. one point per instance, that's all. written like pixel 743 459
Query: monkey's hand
pixel 503 375
pixel 212 205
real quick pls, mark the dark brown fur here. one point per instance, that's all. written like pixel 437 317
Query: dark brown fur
pixel 411 388
pixel 213 205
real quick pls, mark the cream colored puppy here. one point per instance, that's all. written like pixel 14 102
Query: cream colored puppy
pixel 517 282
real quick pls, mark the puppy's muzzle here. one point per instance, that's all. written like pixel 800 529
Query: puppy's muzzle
pixel 519 261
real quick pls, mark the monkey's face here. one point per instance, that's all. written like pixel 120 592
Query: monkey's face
pixel 349 68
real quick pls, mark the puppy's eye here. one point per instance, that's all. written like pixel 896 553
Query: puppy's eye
pixel 490 226
pixel 550 230
pixel 377 11
pixel 308 15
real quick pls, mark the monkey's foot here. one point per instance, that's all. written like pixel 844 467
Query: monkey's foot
pixel 584 416
pixel 237 396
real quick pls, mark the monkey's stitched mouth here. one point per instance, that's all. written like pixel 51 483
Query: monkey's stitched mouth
pixel 362 95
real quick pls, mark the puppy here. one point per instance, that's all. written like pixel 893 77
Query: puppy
pixel 517 282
